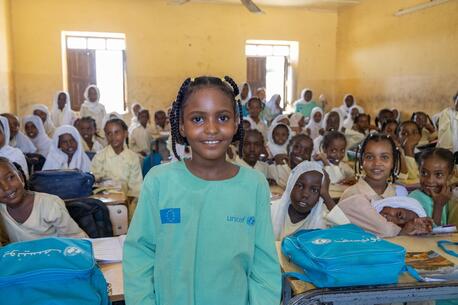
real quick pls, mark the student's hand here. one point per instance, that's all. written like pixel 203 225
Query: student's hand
pixel 321 157
pixel 281 159
pixel 429 126
pixel 324 190
pixel 410 143
pixel 417 226
pixel 442 197
pixel 349 181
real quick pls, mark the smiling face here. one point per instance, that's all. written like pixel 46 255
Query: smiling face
pixel 12 189
pixel 398 216
pixel 208 124
pixel 116 136
pixel 31 130
pixel 378 161
pixel 86 130
pixel 333 121
pixel 336 150
pixel 68 144
pixel 434 175
pixel 306 192
pixel 254 107
pixel 280 134
pixel 301 150
pixel 407 130
pixel 253 143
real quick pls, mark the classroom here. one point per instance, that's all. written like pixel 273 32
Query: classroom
pixel 204 151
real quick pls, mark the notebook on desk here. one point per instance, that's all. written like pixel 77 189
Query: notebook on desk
pixel 108 249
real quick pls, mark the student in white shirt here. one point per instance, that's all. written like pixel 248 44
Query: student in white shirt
pixel 61 113
pixel 43 112
pixel 141 136
pixel 35 131
pixel 17 138
pixel 12 153
pixel 254 109
pixel 92 107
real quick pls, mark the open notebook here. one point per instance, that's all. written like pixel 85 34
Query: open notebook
pixel 108 249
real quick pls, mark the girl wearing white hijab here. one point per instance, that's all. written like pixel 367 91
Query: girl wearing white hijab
pixel 448 127
pixel 273 108
pixel 61 113
pixel 12 153
pixel 92 107
pixel 305 104
pixel 329 123
pixel 278 145
pixel 35 131
pixel 134 109
pixel 280 209
pixel 352 113
pixel 17 138
pixel 67 156
pixel 347 103
pixel 314 127
pixel 43 112
pixel 245 95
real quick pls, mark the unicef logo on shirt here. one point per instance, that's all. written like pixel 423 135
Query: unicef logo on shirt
pixel 72 251
pixel 250 220
pixel 321 241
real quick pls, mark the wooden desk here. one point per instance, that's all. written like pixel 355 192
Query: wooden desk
pixel 113 276
pixel 111 198
pixel 406 290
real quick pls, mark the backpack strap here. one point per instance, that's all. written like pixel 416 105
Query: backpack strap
pixel 413 273
pixel 443 245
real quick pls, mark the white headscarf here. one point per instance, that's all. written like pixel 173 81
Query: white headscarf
pixel 272 105
pixel 48 124
pixel 313 126
pixel 12 153
pixel 344 109
pixel 341 121
pixel 110 116
pixel 278 118
pixel 301 98
pixel 401 202
pixel 249 95
pixel 42 142
pixel 315 219
pixel 295 119
pixel 134 123
pixel 64 116
pixel 57 159
pixel 348 123
pixel 92 105
pixel 274 148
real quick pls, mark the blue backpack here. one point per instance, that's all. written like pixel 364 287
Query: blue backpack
pixel 344 256
pixel 51 271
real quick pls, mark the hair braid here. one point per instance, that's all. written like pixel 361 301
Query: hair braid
pixel 175 117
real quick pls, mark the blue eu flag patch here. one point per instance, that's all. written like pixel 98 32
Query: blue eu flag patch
pixel 170 215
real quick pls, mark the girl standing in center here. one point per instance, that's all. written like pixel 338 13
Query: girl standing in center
pixel 92 107
pixel 190 242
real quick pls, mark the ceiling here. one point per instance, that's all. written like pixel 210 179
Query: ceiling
pixel 313 4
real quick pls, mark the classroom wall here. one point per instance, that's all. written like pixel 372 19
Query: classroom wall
pixel 165 43
pixel 6 73
pixel 409 62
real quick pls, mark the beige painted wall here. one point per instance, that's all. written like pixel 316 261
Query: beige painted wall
pixel 6 73
pixel 165 44
pixel 409 62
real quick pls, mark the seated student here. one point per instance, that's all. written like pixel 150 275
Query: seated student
pixel 424 122
pixel 297 123
pixel 92 107
pixel 134 109
pixel 315 126
pixel 117 162
pixel 389 127
pixel 331 157
pixel 436 171
pixel 277 141
pixel 253 145
pixel 35 131
pixel 141 136
pixel 17 138
pixel 66 151
pixel 332 122
pixel 386 217
pixel 159 153
pixel 348 102
pixel 358 132
pixel 377 166
pixel 245 96
pixel 352 113
pixel 28 215
pixel 299 149
pixel 255 106
pixel 382 116
pixel 273 108
pixel 305 104
pixel 302 205
pixel 6 151
pixel 88 130
pixel 61 113
pixel 408 133
pixel 42 112
pixel 160 123
pixel 448 127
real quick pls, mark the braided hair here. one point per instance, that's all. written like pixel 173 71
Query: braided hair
pixel 226 85
pixel 379 137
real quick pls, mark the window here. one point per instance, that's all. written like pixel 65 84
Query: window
pixel 269 66
pixel 95 58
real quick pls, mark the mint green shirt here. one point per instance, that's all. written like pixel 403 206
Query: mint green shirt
pixel 428 204
pixel 199 242
pixel 306 108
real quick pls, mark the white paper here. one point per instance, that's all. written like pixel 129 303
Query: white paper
pixel 108 249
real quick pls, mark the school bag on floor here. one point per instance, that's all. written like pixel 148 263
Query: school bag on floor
pixel 91 215
pixel 51 271
pixel 64 183
pixel 344 256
